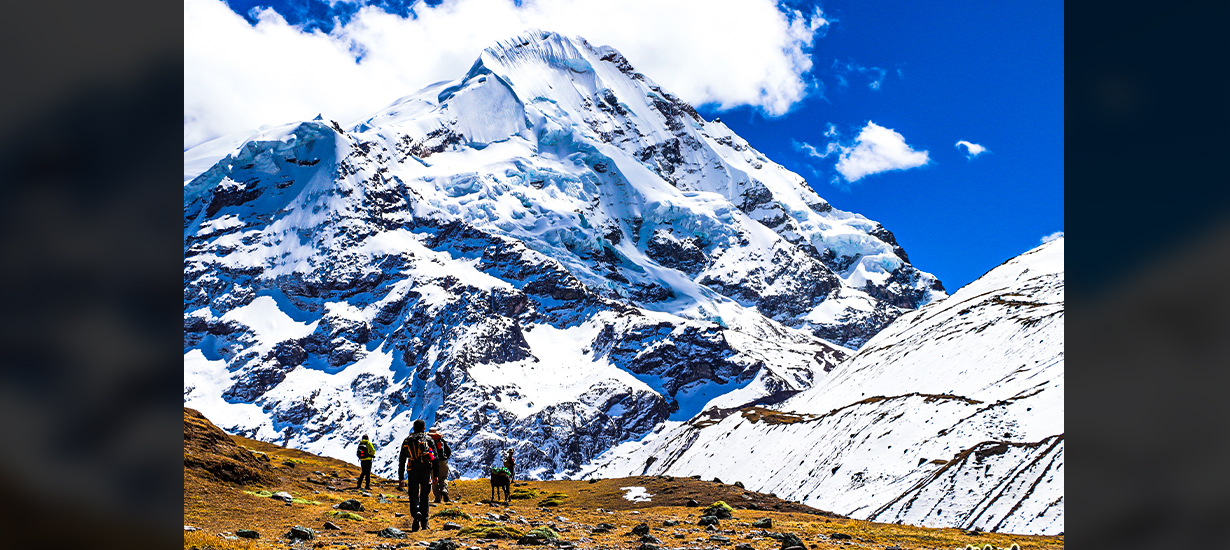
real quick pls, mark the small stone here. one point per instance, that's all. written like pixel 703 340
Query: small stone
pixel 288 463
pixel 247 534
pixel 300 532
pixel 670 523
pixel 330 526
pixel 642 529
pixel 716 480
pixel 691 503
pixel 450 526
pixel 650 538
pixel 719 538
pixel 390 533
pixel 765 523
pixel 351 504
pixel 708 520
pixel 839 536
pixel 561 518
pixel 443 544
pixel 398 515
pixel 790 540
pixel 739 484
pixel 282 496
pixel 648 546
pixel 744 546
pixel 189 528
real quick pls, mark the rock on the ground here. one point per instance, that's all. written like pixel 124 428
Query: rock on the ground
pixel 648 546
pixel 351 504
pixel 391 533
pixel 300 532
pixel 765 523
pixel 189 528
pixel 708 520
pixel 330 526
pixel 443 544
pixel 450 526
pixel 839 536
pixel 642 529
pixel 790 540
pixel 670 523
pixel 691 503
pixel 744 546
pixel 282 496
pixel 247 534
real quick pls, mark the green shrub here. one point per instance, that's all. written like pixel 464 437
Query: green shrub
pixel 523 494
pixel 452 513
pixel 345 515
pixel 553 499
pixel 543 532
pixel 490 531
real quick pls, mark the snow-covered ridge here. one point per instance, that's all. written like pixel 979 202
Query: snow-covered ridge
pixel 951 416
pixel 552 215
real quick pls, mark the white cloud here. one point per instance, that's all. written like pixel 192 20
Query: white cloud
pixel 971 149
pixel 877 149
pixel 812 151
pixel 1052 237
pixel 238 76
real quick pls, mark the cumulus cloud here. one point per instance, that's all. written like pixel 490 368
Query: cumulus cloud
pixel 1052 237
pixel 238 76
pixel 971 149
pixel 877 149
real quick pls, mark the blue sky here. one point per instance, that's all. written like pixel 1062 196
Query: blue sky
pixel 797 79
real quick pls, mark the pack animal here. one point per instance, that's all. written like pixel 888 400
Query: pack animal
pixel 501 481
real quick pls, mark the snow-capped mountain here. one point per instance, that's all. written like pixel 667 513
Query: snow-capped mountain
pixel 550 254
pixel 951 416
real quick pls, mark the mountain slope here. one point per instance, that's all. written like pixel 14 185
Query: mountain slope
pixel 551 254
pixel 951 416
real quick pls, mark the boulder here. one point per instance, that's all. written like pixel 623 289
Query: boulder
pixel 351 504
pixel 247 534
pixel 300 532
pixel 390 533
pixel 282 496
pixel 790 540
pixel 708 520
pixel 765 523
pixel 442 544
pixel 642 529
pixel 691 503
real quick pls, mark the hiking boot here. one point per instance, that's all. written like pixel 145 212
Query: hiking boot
pixel 446 498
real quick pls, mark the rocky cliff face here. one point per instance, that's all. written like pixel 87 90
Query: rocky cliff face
pixel 551 254
pixel 951 416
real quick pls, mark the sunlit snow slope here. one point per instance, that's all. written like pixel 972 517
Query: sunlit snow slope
pixel 951 416
pixel 551 254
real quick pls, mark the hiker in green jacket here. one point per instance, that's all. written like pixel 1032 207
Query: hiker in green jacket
pixel 366 453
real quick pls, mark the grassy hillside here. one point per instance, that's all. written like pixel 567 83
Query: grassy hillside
pixel 228 480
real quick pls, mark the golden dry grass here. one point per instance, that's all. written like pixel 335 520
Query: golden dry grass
pixel 216 507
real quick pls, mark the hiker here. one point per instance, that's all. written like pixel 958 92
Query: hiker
pixel 366 453
pixel 510 464
pixel 439 468
pixel 415 463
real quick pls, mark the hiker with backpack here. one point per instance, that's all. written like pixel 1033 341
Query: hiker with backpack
pixel 366 453
pixel 510 464
pixel 414 464
pixel 439 469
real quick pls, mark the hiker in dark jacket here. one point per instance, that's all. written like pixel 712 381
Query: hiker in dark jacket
pixel 366 453
pixel 439 469
pixel 415 463
pixel 510 463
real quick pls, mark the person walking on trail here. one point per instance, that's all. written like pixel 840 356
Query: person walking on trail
pixel 510 464
pixel 415 462
pixel 439 469
pixel 366 453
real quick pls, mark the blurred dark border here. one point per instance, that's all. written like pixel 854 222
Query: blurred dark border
pixel 90 390
pixel 1147 267
pixel 91 152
